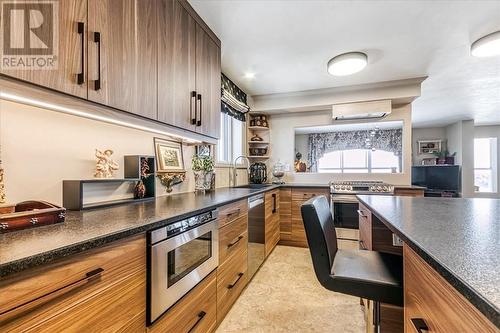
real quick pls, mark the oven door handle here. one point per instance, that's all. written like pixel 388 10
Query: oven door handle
pixel 344 199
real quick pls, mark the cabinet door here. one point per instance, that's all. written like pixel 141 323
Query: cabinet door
pixel 208 85
pixel 176 65
pixel 122 55
pixel 70 52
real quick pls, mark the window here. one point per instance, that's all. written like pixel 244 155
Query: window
pixel 485 164
pixel 230 144
pixel 359 161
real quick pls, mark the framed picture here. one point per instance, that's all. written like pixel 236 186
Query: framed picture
pixel 168 155
pixel 204 150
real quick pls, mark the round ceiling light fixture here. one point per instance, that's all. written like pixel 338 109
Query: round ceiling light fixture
pixel 347 63
pixel 486 46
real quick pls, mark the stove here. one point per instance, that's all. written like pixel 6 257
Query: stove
pixel 345 207
pixel 360 187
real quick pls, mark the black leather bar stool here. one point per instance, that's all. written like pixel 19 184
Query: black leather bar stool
pixel 368 274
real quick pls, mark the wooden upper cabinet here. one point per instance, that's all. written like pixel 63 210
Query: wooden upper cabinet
pixel 71 58
pixel 208 84
pixel 122 55
pixel 176 65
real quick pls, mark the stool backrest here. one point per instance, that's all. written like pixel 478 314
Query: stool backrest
pixel 321 236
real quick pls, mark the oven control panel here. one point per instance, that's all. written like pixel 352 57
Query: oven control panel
pixel 355 187
pixel 178 227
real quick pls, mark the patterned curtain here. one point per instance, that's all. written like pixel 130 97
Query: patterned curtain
pixel 233 99
pixel 322 143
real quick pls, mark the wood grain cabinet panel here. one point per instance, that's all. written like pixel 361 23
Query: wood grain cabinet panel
pixel 232 211
pixel 102 290
pixel 232 238
pixel 429 297
pixel 365 228
pixel 298 197
pixel 176 65
pixel 272 220
pixel 71 53
pixel 208 84
pixel 194 313
pixel 285 214
pixel 232 277
pixel 122 51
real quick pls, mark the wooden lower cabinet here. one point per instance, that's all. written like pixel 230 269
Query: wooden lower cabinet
pixel 430 298
pixel 292 232
pixel 233 238
pixel 102 290
pixel 195 312
pixel 272 220
pixel 232 277
pixel 285 214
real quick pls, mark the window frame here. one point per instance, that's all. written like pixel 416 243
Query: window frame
pixel 492 167
pixel 368 157
pixel 227 137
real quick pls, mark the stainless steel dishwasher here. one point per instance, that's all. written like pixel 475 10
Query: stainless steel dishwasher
pixel 256 233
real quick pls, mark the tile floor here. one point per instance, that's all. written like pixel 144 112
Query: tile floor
pixel 284 296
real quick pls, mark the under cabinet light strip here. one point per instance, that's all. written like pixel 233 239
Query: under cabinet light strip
pixel 54 107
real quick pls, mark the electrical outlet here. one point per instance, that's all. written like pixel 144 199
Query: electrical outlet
pixel 396 241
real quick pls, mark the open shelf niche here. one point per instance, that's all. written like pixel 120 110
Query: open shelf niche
pixel 258 123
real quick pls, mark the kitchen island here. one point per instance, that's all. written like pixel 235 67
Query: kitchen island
pixel 458 238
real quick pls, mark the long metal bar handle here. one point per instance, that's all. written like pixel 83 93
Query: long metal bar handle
pixel 230 245
pixel 193 116
pixel 50 296
pixel 80 77
pixel 201 315
pixel 231 213
pixel 198 123
pixel 97 39
pixel 420 325
pixel 231 286
pixel 274 202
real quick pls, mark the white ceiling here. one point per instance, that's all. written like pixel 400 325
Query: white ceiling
pixel 288 43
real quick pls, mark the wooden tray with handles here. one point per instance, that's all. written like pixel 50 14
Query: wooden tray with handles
pixel 28 214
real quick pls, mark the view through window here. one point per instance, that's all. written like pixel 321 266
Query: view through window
pixel 359 161
pixel 230 144
pixel 485 165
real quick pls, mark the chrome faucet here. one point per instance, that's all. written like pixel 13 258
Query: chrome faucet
pixel 235 173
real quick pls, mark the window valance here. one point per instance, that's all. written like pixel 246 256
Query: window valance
pixel 233 99
pixel 322 143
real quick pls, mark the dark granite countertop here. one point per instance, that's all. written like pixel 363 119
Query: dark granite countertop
pixel 84 230
pixel 459 238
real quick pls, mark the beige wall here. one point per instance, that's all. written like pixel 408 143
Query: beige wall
pixel 41 148
pixel 282 147
pixel 431 133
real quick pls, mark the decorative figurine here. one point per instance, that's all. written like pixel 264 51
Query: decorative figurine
pixel 105 164
pixel 300 166
pixel 2 186
pixel 140 188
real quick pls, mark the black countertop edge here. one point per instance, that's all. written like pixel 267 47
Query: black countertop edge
pixel 489 310
pixel 62 252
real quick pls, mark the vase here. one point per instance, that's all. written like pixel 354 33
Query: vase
pixel 204 181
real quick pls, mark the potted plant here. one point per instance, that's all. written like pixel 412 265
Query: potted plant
pixel 204 175
pixel 445 158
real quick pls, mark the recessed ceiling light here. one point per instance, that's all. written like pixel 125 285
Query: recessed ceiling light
pixel 249 75
pixel 347 63
pixel 486 46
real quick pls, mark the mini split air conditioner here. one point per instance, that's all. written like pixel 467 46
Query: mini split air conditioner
pixel 361 111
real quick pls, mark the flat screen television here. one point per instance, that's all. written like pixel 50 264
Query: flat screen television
pixel 437 177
